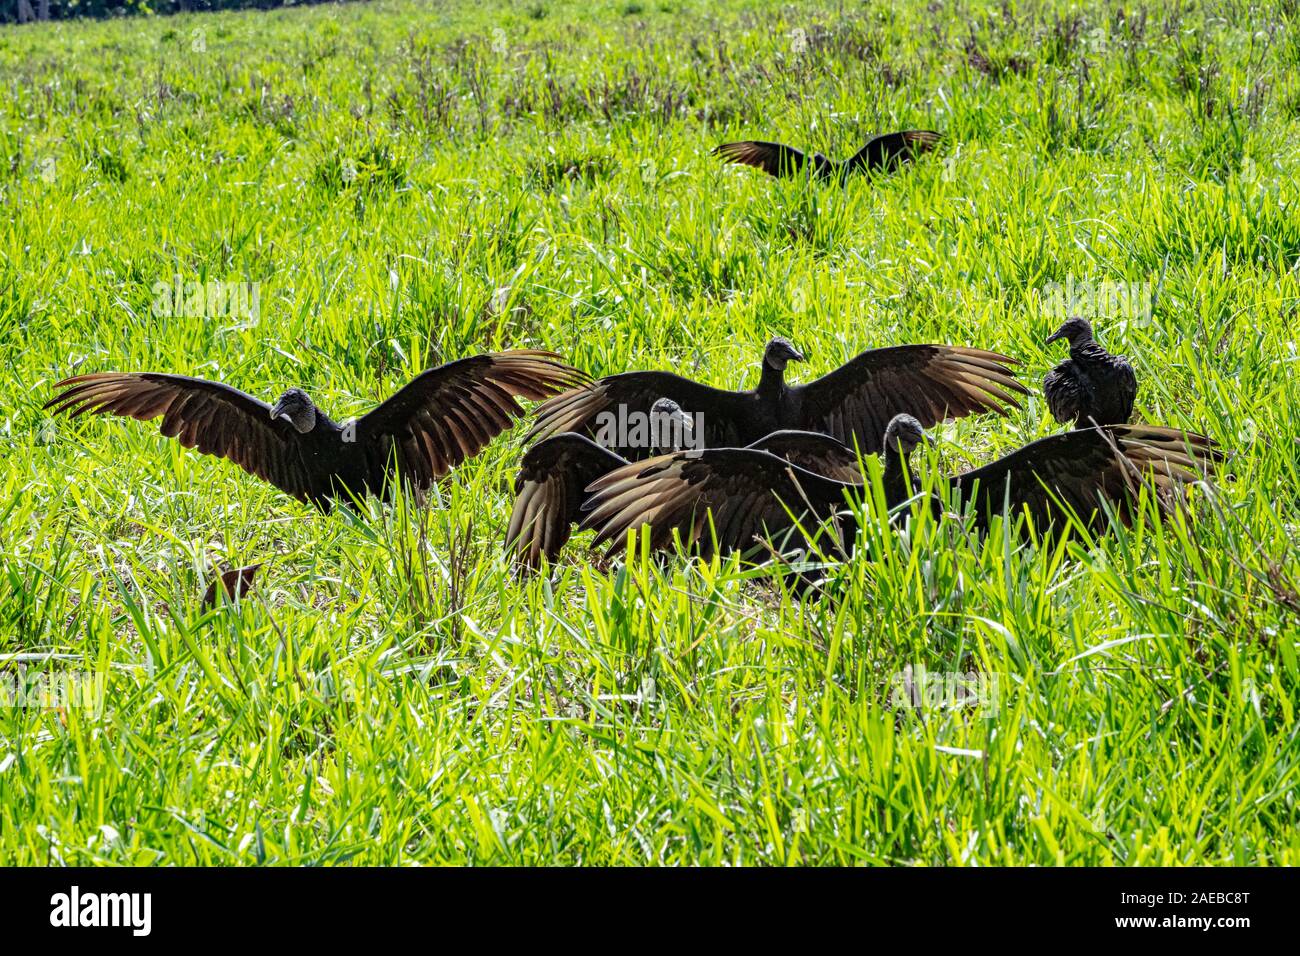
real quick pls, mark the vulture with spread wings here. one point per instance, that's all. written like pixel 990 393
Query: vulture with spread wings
pixel 550 488
pixel 885 152
pixel 734 498
pixel 852 404
pixel 442 417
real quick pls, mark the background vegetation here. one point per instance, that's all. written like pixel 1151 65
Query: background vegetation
pixel 25 11
pixel 408 182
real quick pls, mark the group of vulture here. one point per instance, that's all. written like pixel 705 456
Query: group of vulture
pixel 782 461
pixel 776 463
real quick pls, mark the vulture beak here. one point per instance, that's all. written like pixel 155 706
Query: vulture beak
pixel 679 416
pixel 279 414
pixel 1058 334
pixel 797 356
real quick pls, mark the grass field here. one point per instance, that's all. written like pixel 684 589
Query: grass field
pixel 401 183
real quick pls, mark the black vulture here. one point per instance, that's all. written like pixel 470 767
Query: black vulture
pixel 852 404
pixel 742 494
pixel 884 152
pixel 554 474
pixel 1092 386
pixel 442 417
pixel 234 584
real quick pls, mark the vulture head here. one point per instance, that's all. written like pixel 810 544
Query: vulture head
pixel 1076 330
pixel 670 426
pixel 904 433
pixel 668 412
pixel 780 351
pixel 297 409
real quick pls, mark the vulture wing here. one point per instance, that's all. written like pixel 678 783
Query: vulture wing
pixel 746 493
pixel 582 409
pixel 775 159
pixel 549 491
pixel 890 150
pixel 812 451
pixel 214 418
pixel 450 413
pixel 932 383
pixel 1078 470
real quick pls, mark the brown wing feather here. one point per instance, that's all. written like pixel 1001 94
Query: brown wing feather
pixel 450 413
pixel 932 383
pixel 549 491
pixel 579 410
pixel 889 150
pixel 815 452
pixel 213 418
pixel 744 492
pixel 1077 471
pixel 775 159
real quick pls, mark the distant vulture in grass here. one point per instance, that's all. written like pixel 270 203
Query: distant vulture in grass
pixel 852 404
pixel 554 474
pixel 234 584
pixel 885 152
pixel 1091 387
pixel 748 494
pixel 442 417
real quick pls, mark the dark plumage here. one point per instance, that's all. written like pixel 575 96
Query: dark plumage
pixel 553 477
pixel 549 491
pixel 442 417
pixel 884 152
pixel 852 404
pixel 1092 386
pixel 550 486
pixel 746 493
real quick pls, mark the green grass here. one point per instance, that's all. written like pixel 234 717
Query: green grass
pixel 393 693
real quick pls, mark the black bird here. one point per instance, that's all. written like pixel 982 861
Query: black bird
pixel 1092 386
pixel 442 417
pixel 852 404
pixel 554 474
pixel 885 152
pixel 746 493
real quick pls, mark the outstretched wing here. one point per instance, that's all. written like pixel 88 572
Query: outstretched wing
pixel 213 418
pixel 775 159
pixel 890 150
pixel 549 491
pixel 815 452
pixel 1076 471
pixel 450 413
pixel 745 492
pixel 932 383
pixel 611 400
